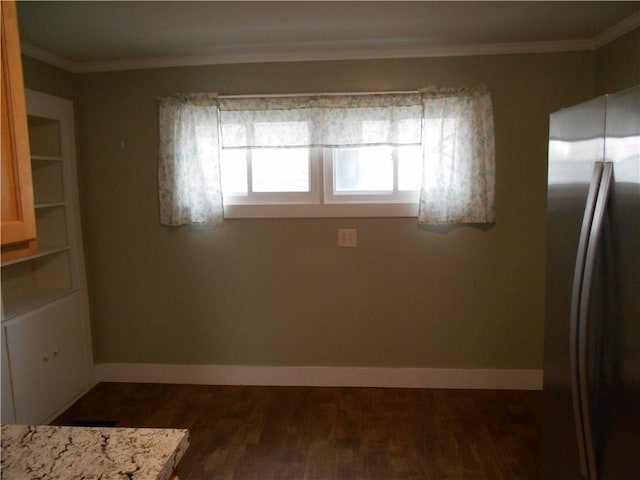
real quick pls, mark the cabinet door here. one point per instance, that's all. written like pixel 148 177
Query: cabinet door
pixel 48 359
pixel 18 217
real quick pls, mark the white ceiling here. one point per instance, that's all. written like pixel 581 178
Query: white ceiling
pixel 106 35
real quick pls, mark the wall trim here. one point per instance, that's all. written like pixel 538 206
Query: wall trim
pixel 299 54
pixel 458 378
pixel 618 30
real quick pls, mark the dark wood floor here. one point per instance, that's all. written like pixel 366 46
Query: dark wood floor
pixel 262 433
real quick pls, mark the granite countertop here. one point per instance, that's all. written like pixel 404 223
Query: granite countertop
pixel 87 453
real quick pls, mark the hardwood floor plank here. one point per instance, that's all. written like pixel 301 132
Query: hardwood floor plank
pixel 304 433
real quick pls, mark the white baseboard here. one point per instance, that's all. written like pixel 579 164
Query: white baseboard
pixel 321 376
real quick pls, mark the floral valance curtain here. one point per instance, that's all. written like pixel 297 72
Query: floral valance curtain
pixel 321 121
pixel 454 127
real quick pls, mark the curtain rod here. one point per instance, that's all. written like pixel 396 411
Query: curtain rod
pixel 331 94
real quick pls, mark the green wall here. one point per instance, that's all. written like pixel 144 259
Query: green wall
pixel 280 291
pixel 47 79
pixel 617 65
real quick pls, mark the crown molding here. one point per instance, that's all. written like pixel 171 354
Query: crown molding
pixel 617 31
pixel 302 52
pixel 48 57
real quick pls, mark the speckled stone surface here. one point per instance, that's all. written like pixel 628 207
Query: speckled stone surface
pixel 69 453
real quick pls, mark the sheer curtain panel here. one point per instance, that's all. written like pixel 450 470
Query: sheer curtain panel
pixel 458 156
pixel 189 161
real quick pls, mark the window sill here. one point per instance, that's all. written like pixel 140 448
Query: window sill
pixel 322 211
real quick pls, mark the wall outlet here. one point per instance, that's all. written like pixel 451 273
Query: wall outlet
pixel 347 237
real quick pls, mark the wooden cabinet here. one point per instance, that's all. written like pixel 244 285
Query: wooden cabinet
pixel 45 310
pixel 18 220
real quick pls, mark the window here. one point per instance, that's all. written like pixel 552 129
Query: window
pixel 373 174
pixel 328 155
pixel 317 181
pixel 268 175
pixel 320 156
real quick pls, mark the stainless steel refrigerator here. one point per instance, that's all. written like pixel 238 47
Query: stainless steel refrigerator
pixel 592 325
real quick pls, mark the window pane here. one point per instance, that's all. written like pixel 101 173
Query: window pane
pixel 365 169
pixel 280 169
pixel 233 167
pixel 409 167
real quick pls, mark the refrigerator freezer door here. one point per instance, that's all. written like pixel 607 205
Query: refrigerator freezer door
pixel 576 143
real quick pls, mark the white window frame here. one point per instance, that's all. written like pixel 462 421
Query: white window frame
pixel 252 198
pixel 395 196
pixel 321 201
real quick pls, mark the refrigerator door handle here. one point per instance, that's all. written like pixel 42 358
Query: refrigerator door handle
pixel 585 300
pixel 574 323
